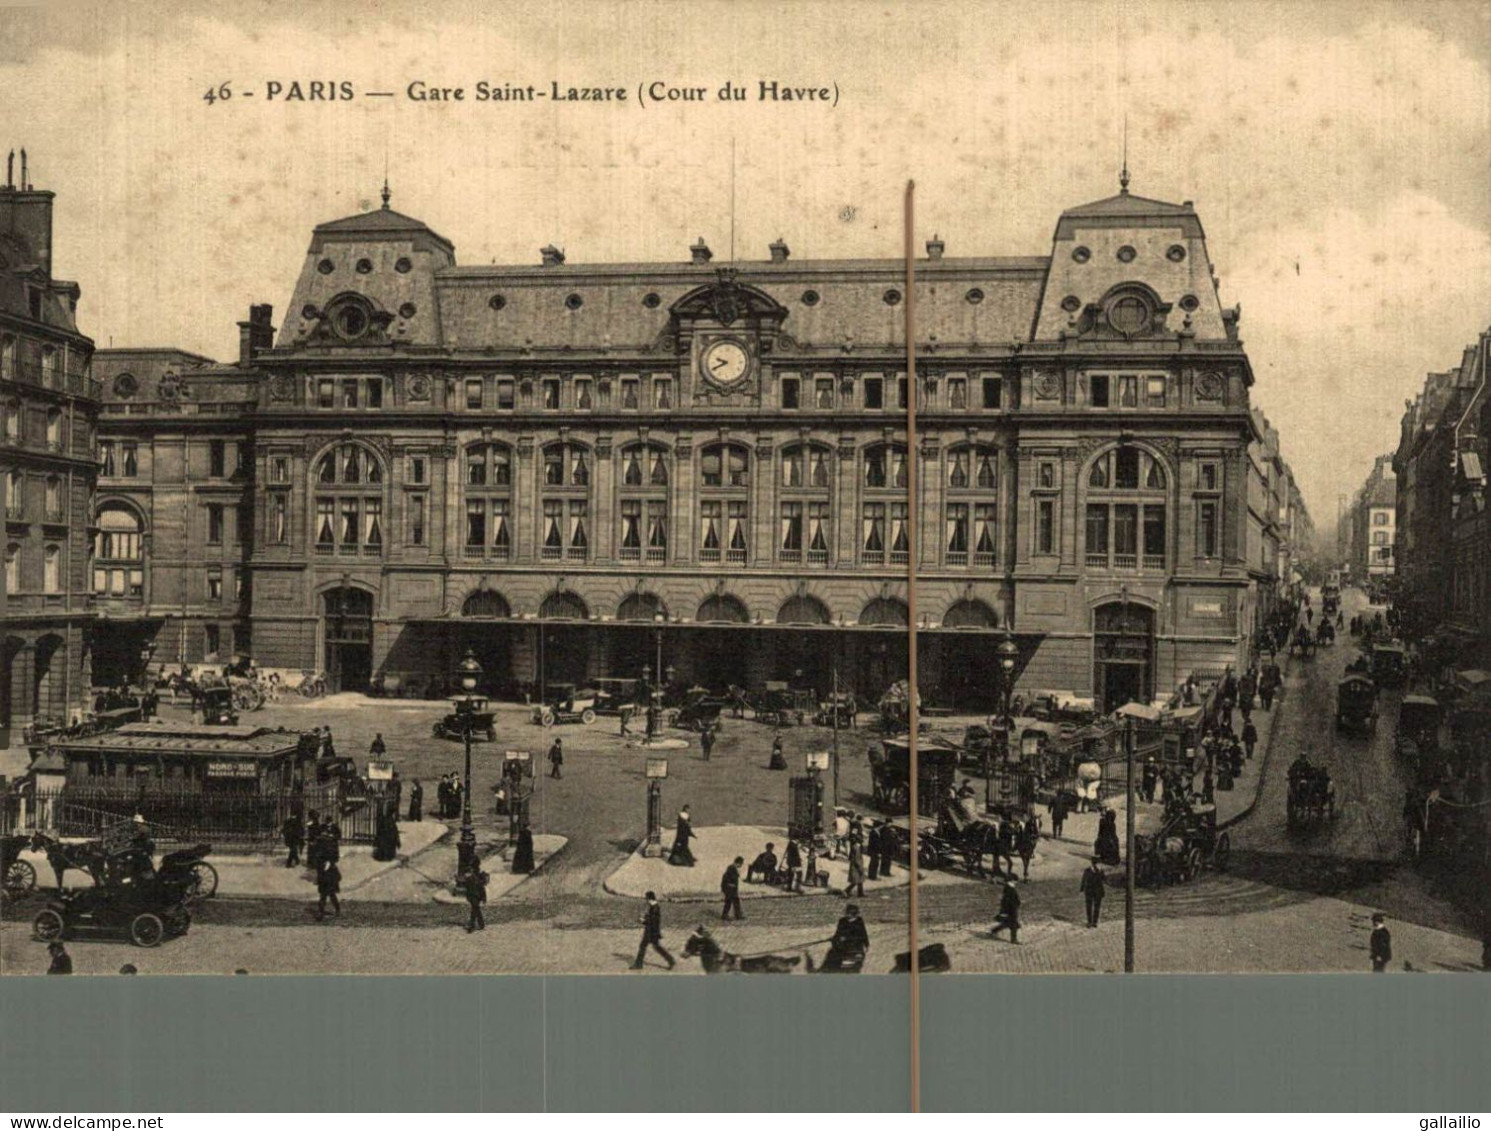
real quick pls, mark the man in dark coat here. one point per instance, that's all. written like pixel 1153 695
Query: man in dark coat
pixel 1058 814
pixel 792 865
pixel 1009 913
pixel 1106 848
pixel 652 933
pixel 681 855
pixel 1381 944
pixel 294 834
pixel 556 759
pixel 416 801
pixel 378 747
pixel 1249 737
pixel 1093 887
pixel 706 741
pixel 328 884
pixel 872 847
pixel 475 888
pixel 1150 777
pixel 1027 836
pixel 730 889
pixel 442 797
pixel 887 848
pixel 313 840
pixel 850 944
pixel 61 960
pixel 763 869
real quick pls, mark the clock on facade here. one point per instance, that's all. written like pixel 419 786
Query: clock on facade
pixel 725 362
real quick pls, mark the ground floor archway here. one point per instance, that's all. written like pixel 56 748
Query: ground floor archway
pixel 347 624
pixel 1123 653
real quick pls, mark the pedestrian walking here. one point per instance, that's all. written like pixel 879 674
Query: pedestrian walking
pixel 1093 887
pixel 1058 814
pixel 1380 944
pixel 475 887
pixel 416 801
pixel 652 933
pixel 1250 738
pixel 457 795
pixel 377 748
pixel 1009 913
pixel 294 833
pixel 887 848
pixel 706 741
pixel 523 852
pixel 626 718
pixel 61 960
pixel 1106 846
pixel 680 855
pixel 730 889
pixel 1151 776
pixel 856 884
pixel 792 864
pixel 328 884
pixel 872 846
pixel 556 759
pixel 442 797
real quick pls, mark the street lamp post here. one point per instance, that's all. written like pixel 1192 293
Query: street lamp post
pixel 1128 848
pixel 1008 654
pixel 470 673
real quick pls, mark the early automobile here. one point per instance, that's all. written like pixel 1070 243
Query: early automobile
pixel 480 720
pixel 143 903
pixel 215 702
pixel 700 709
pixel 1389 665
pixel 837 710
pixel 566 704
pixel 1356 704
pixel 611 695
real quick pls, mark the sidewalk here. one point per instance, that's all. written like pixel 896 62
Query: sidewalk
pixel 714 847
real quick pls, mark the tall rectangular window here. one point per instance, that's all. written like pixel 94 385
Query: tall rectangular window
pixel 993 391
pixel 662 393
pixel 502 536
pixel 735 533
pixel 349 393
pixel 631 530
pixel 1097 535
pixel 584 394
pixel 476 523
pixel 1098 390
pixel 326 393
pixel 1154 536
pixel 791 392
pixel 51 577
pixel 823 392
pixel 957 392
pixel 711 531
pixel 1045 526
pixel 217 459
pixel 818 533
pixel 985 549
pixel 1125 536
pixel 130 459
pixel 279 469
pixel 957 534
pixel 107 463
pixel 551 393
pixel 874 392
pixel 211 641
pixel 325 524
pixel 657 530
pixel 214 524
pixel 791 532
pixel 1128 391
pixel 473 392
pixel 900 536
pixel 214 584
pixel 1206 528
pixel 279 525
pixel 506 396
pixel 903 392
pixel 1154 392
pixel 872 534
pixel 417 469
pixel 375 392
pixel 553 536
pixel 416 520
pixel 629 393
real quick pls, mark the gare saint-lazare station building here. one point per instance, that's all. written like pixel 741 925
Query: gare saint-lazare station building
pixel 578 469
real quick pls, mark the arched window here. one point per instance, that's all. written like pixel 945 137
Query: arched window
pixel 971 530
pixel 486 603
pixel 118 553
pixel 565 533
pixel 805 519
pixel 803 610
pixel 1127 512
pixel 563 605
pixel 641 606
pixel 886 612
pixel 489 487
pixel 884 533
pixel 644 504
pixel 722 609
pixel 349 515
pixel 724 506
pixel 970 613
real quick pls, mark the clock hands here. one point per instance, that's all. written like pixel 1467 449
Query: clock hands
pixel 719 361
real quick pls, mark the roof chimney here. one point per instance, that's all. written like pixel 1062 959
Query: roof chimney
pixel 780 251
pixel 935 247
pixel 699 251
pixel 256 334
pixel 552 256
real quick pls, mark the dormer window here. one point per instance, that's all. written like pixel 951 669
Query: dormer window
pixel 349 319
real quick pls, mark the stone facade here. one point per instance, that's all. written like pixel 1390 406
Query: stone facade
pixel 49 403
pixel 579 470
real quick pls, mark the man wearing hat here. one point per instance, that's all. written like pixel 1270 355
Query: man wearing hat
pixel 850 944
pixel 61 960
pixel 1093 887
pixel 652 933
pixel 1009 913
pixel 1380 945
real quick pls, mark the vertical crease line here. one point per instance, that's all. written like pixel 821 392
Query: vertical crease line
pixel 912 712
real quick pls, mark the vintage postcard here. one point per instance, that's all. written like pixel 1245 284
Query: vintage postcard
pixel 643 488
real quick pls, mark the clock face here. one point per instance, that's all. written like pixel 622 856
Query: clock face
pixel 725 362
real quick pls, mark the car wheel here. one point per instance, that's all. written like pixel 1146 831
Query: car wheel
pixel 49 926
pixel 146 930
pixel 20 877
pixel 1192 865
pixel 204 880
pixel 587 716
pixel 547 718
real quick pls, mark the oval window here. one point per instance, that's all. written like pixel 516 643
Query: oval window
pixel 326 267
pixel 1128 315
pixel 1081 254
pixel 364 266
pixel 1126 254
pixel 351 322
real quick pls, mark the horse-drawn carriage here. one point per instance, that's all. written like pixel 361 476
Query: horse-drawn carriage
pixel 1302 642
pixel 1389 665
pixel 782 705
pixel 895 707
pixel 890 772
pixel 1312 796
pixel 215 703
pixel 1417 736
pixel 699 710
pixel 1356 704
pixel 837 710
pixel 1188 843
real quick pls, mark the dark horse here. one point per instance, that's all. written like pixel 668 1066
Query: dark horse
pixel 716 960
pixel 89 856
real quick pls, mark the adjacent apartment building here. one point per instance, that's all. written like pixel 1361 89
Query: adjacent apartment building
pixel 49 405
pixel 584 469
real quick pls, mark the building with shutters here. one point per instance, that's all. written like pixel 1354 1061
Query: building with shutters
pixel 49 405
pixel 578 470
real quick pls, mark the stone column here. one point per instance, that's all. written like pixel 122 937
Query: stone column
pixel 683 529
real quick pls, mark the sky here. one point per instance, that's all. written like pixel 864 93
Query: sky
pixel 1338 154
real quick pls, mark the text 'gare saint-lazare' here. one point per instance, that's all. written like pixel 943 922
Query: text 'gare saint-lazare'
pixel 659 90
